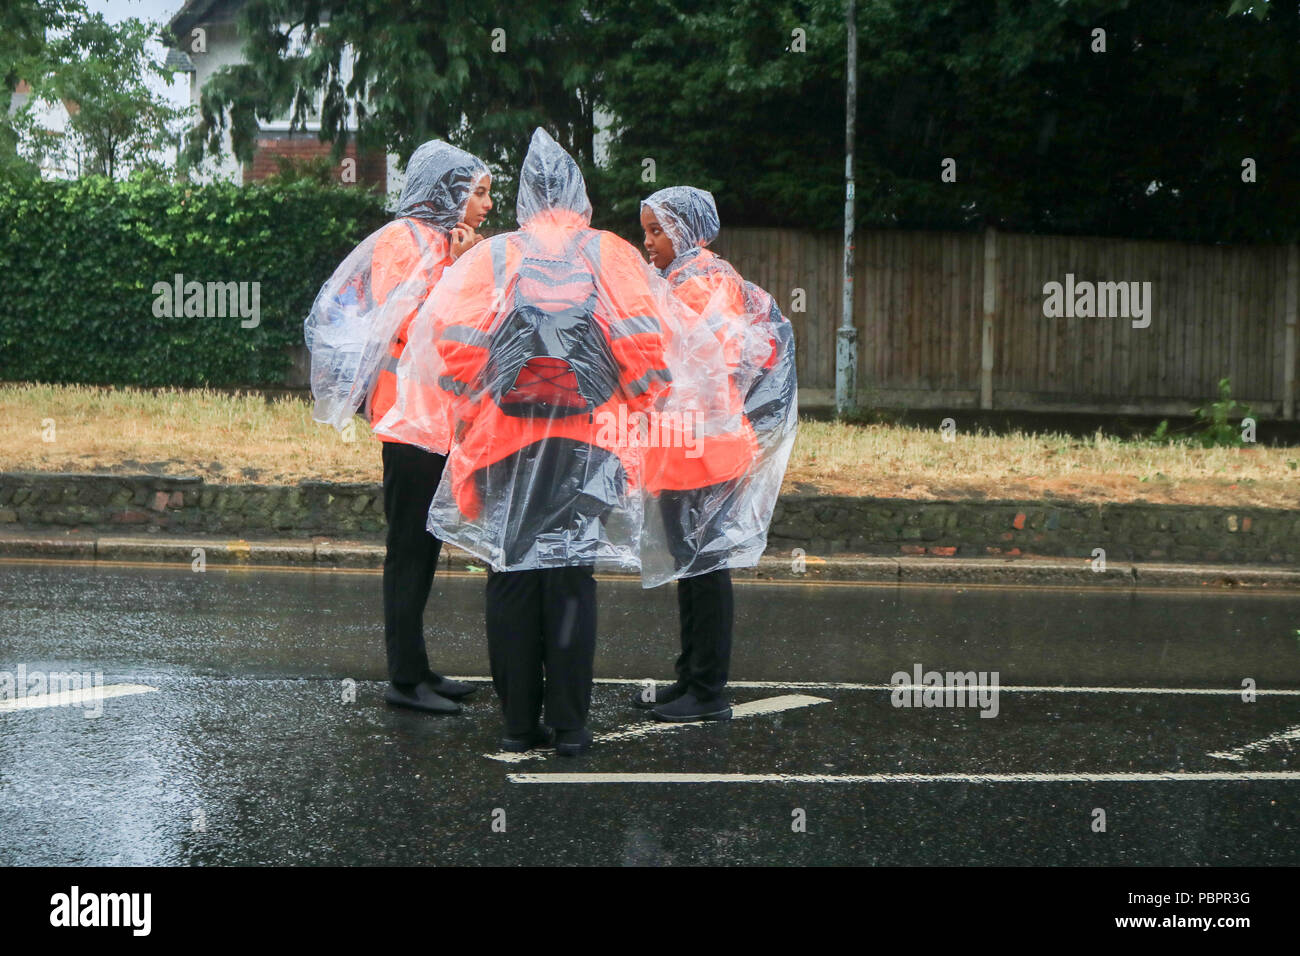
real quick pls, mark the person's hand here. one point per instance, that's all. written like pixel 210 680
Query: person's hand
pixel 463 238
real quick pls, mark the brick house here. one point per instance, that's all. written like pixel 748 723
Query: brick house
pixel 57 161
pixel 206 34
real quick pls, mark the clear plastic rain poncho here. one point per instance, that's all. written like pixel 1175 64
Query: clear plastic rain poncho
pixel 382 282
pixel 553 345
pixel 694 525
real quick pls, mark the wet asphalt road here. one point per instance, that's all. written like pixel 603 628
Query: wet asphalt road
pixel 248 752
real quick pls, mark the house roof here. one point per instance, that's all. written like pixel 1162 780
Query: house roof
pixel 195 12
pixel 179 60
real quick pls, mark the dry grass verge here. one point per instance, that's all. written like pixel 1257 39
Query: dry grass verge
pixel 245 438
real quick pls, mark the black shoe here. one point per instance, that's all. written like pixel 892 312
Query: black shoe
pixel 422 696
pixel 446 687
pixel 689 708
pixel 572 743
pixel 543 738
pixel 657 694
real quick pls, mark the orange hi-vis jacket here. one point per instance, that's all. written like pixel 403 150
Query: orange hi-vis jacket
pixel 404 248
pixel 713 293
pixel 558 246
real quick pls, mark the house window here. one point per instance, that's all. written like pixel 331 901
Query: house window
pixel 298 48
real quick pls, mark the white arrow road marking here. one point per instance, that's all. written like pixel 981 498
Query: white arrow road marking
pixel 755 708
pixel 1286 775
pixel 68 698
pixel 1238 753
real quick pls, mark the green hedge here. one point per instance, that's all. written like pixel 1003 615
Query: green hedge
pixel 81 260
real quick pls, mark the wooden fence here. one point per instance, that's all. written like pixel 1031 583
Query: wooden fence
pixel 929 337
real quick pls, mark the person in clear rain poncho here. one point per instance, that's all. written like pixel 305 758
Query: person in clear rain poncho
pixel 710 514
pixel 357 333
pixel 552 344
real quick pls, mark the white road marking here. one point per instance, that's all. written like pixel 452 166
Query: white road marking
pixel 1238 753
pixel 1285 775
pixel 1010 688
pixel 755 708
pixel 69 698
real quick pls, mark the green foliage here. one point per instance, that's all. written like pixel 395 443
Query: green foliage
pixel 717 98
pixel 1047 135
pixel 26 52
pixel 118 122
pixel 82 259
pixel 317 169
pixel 421 72
pixel 1214 419
pixel 1214 426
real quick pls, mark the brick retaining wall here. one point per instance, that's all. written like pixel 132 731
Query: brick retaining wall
pixel 820 525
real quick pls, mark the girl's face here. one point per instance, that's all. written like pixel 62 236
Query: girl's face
pixel 657 244
pixel 480 203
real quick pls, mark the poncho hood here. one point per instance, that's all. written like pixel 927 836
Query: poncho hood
pixel 688 216
pixel 550 180
pixel 440 178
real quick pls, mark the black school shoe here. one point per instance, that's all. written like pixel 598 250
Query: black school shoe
pixel 667 694
pixel 572 743
pixel 543 738
pixel 688 708
pixel 422 696
pixel 446 687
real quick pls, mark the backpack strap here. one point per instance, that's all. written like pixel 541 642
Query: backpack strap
pixel 390 360
pixel 582 248
pixel 421 243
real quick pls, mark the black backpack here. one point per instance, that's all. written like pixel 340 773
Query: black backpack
pixel 548 357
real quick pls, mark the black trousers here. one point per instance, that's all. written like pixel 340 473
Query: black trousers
pixel 707 609
pixel 411 477
pixel 541 630
pixel 705 602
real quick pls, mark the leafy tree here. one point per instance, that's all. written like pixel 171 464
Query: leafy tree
pixel 415 76
pixel 1047 132
pixel 1145 139
pixel 728 98
pixel 116 122
pixel 25 28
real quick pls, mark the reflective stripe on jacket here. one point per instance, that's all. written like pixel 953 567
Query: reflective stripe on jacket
pixel 407 248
